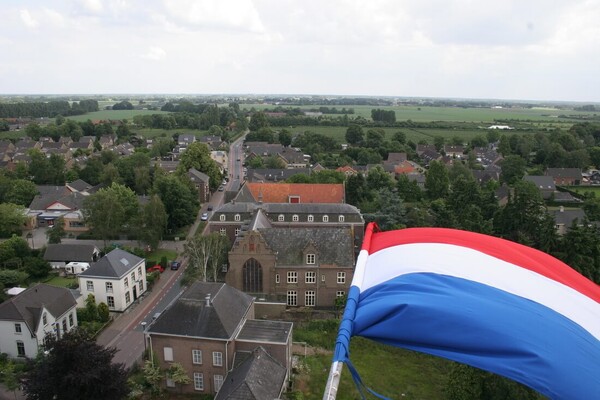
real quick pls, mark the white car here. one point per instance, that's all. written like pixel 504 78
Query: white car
pixel 204 217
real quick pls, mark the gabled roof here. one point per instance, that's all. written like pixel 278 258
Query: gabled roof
pixel 566 217
pixel 308 192
pixel 274 209
pixel 28 305
pixel 289 243
pixel 70 252
pixel 258 377
pixel 541 182
pixel 396 158
pixel 190 315
pixel 564 172
pixel 71 200
pixel 266 331
pixel 79 185
pixel 200 176
pixel 115 264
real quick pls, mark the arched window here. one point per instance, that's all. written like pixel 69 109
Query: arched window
pixel 280 218
pixel 295 218
pixel 341 218
pixel 325 218
pixel 252 276
pixel 311 218
pixel 237 217
pixel 222 217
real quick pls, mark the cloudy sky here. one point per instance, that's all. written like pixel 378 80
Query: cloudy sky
pixel 505 49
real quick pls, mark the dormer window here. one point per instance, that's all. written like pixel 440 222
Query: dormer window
pixel 222 217
pixel 311 218
pixel 325 218
pixel 237 217
pixel 341 218
pixel 295 218
pixel 280 218
pixel 310 258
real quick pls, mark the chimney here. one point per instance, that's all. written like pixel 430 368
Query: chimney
pixel 207 300
pixel 561 209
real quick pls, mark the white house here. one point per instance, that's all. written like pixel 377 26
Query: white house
pixel 117 279
pixel 26 319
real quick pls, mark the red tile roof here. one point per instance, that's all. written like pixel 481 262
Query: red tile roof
pixel 307 192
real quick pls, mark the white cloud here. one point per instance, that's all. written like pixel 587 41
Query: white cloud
pixel 154 53
pixel 27 19
pixel 92 6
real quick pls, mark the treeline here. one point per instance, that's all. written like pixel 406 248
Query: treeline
pixel 194 116
pixel 49 109
pixel 387 117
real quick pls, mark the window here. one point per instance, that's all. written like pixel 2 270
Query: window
pixel 340 293
pixel 295 218
pixel 341 218
pixel 218 382
pixel 141 286
pixel 322 278
pixel 45 318
pixel 168 353
pixel 70 320
pixel 309 298
pixel 237 231
pixel 292 298
pixel 310 277
pixel 222 231
pixel 140 272
pixel 110 301
pixel 64 324
pixel 280 218
pixel 341 277
pixel 310 258
pixel 217 359
pixel 222 217
pixel 126 282
pixel 127 297
pixel 325 218
pixel 170 381
pixel 237 217
pixel 311 218
pixel 132 277
pixel 20 348
pixel 197 356
pixel 198 381
pixel 90 286
pixel 276 278
pixel 292 277
pixel 109 287
pixel 18 329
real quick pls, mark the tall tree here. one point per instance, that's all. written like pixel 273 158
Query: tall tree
pixel 199 250
pixel 354 134
pixel 513 169
pixel 181 203
pixel 76 368
pixel 12 218
pixel 197 155
pixel 152 222
pixel 437 181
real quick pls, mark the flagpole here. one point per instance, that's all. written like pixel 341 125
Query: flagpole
pixel 342 345
pixel 333 381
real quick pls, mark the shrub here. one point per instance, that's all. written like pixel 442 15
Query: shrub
pixel 163 262
pixel 103 312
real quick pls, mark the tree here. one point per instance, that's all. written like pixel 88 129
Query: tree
pixel 354 134
pixel 513 169
pixel 21 192
pixel 152 222
pixel 256 162
pixel 75 368
pixel 109 211
pixel 199 250
pixel 152 375
pixel 437 181
pixel 218 257
pixel 408 190
pixel 36 267
pixel 178 374
pixel 12 218
pixel 285 137
pixel 197 155
pixel 55 233
pixel 179 199
pixel 258 120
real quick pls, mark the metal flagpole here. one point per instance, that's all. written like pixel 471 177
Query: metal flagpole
pixel 333 381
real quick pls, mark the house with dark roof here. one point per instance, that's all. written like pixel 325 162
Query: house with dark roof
pixel 565 176
pixel 117 280
pixel 298 266
pixel 564 218
pixel 79 186
pixel 59 255
pixel 29 317
pixel 201 182
pixel 544 183
pixel 54 202
pixel 255 376
pixel 210 329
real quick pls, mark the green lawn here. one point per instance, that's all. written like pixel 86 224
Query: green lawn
pixel 160 253
pixel 61 281
pixel 114 115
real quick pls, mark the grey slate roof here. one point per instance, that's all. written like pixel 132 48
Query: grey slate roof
pixel 334 245
pixel 541 182
pixel 80 185
pixel 258 377
pixel 72 200
pixel 70 252
pixel 296 208
pixel 27 306
pixel 566 217
pixel 564 173
pixel 115 264
pixel 266 331
pixel 201 176
pixel 189 315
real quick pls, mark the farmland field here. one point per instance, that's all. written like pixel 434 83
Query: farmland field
pixel 114 115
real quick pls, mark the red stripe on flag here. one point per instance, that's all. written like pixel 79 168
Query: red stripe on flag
pixel 514 253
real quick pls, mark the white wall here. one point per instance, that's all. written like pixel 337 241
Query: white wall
pixel 8 339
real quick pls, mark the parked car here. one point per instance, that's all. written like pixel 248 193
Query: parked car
pixel 221 188
pixel 209 208
pixel 155 268
pixel 175 265
pixel 204 217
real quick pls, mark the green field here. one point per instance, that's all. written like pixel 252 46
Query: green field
pixel 114 115
pixel 456 114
